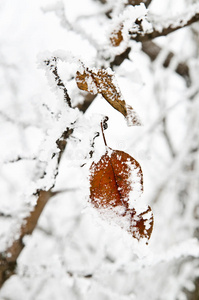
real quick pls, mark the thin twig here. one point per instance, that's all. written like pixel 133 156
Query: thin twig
pixel 52 63
pixel 19 158
pixel 167 137
pixel 55 193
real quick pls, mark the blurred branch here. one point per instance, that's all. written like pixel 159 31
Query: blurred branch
pixel 19 158
pixel 63 191
pixel 118 60
pixel 167 137
pixel 59 11
pixel 103 1
pixel 156 123
pixel 15 121
pixel 88 99
pixel 176 166
pixel 5 215
pixel 193 295
pixel 138 2
pixel 153 50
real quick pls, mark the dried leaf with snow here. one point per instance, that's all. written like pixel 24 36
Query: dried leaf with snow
pixel 103 81
pixel 130 21
pixel 116 181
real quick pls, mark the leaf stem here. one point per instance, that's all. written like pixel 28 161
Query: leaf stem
pixel 103 134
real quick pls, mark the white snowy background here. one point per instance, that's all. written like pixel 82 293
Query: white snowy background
pixel 73 253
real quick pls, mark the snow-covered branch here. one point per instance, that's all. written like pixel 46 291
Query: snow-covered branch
pixel 52 65
pixel 164 27
pixel 52 239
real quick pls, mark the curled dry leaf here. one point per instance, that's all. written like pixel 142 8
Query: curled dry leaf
pixel 116 181
pixel 103 81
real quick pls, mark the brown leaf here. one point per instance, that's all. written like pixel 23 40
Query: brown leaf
pixel 103 82
pixel 114 178
pixel 116 37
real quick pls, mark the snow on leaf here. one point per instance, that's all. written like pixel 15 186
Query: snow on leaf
pixel 116 36
pixel 103 81
pixel 125 21
pixel 110 186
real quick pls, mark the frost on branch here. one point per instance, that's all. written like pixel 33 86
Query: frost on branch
pixel 114 179
pixel 132 18
pixel 103 81
pixel 162 26
pixel 51 65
